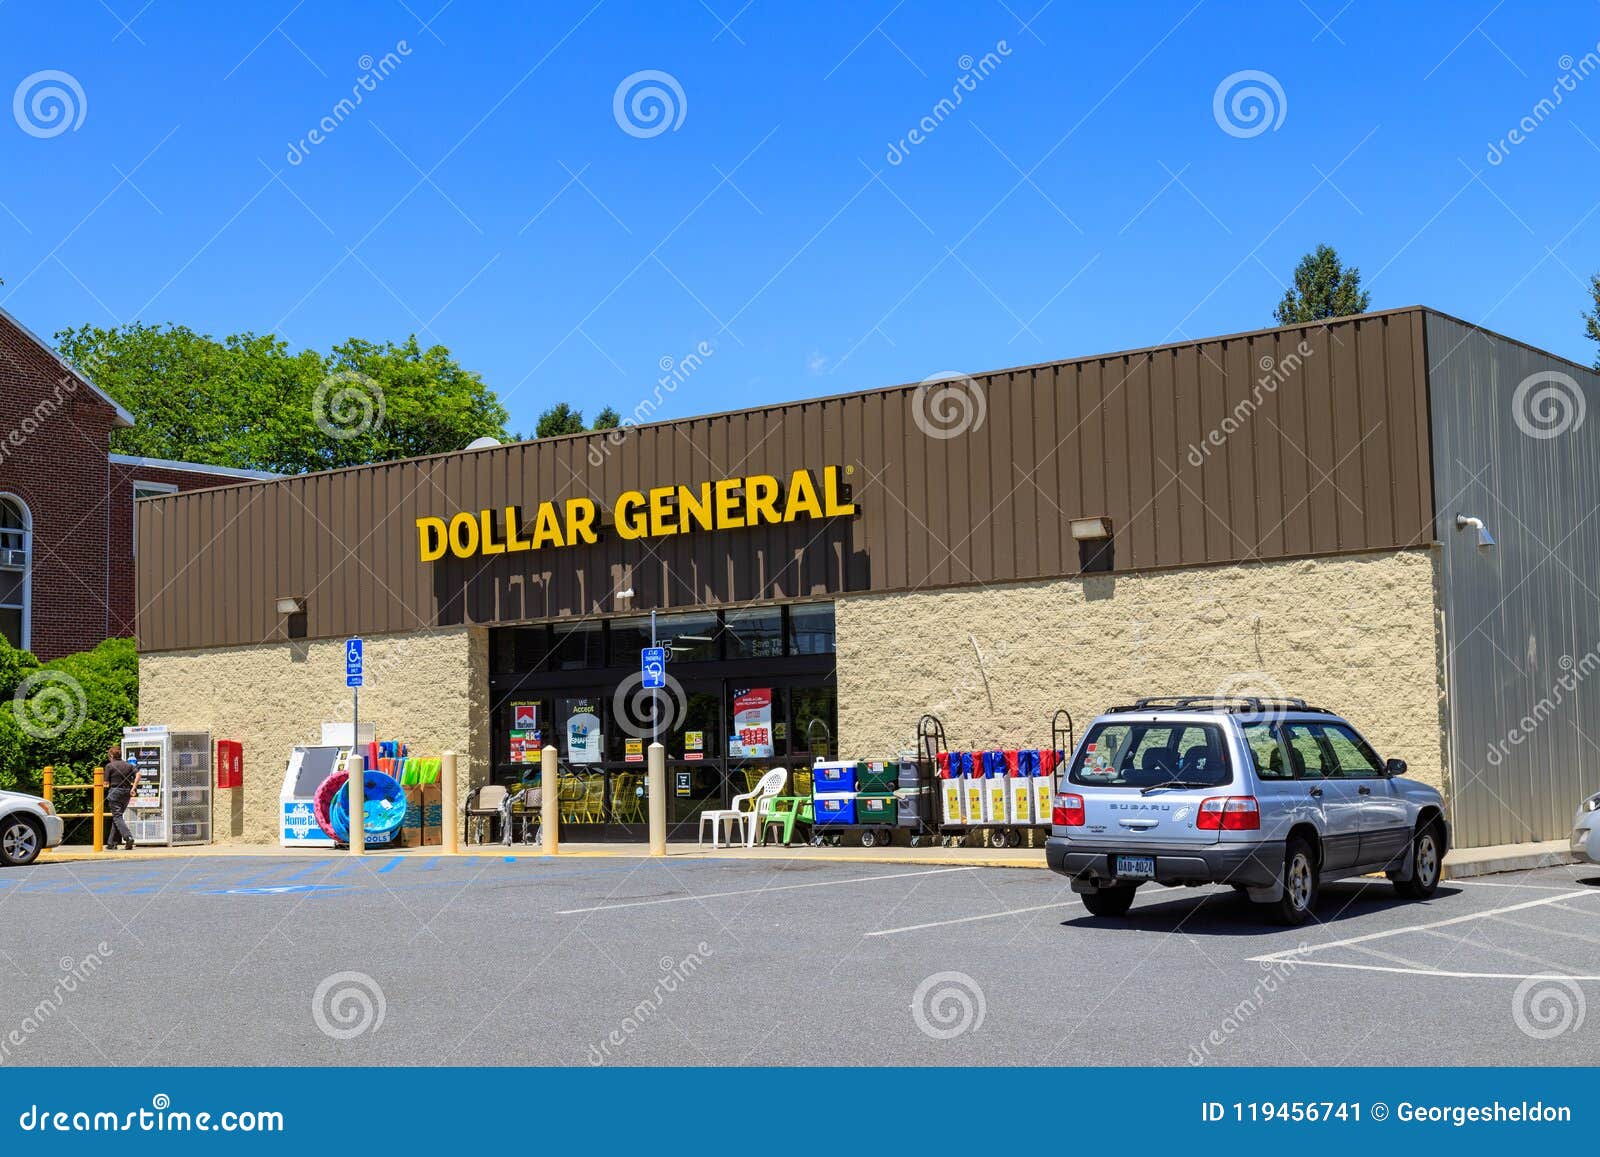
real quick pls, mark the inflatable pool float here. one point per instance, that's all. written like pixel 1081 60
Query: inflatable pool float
pixel 384 806
pixel 323 798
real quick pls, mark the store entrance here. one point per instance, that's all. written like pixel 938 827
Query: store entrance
pixel 747 691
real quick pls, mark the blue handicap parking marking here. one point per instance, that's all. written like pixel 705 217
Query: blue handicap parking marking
pixel 390 866
pixel 276 890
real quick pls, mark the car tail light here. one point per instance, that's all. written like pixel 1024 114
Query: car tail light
pixel 1229 813
pixel 1067 812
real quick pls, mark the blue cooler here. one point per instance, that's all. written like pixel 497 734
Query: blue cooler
pixel 833 778
pixel 836 808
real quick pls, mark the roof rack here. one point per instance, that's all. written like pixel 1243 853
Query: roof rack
pixel 1234 704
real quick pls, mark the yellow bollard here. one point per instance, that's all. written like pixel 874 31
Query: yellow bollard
pixel 356 791
pixel 99 809
pixel 657 779
pixel 549 801
pixel 447 803
pixel 49 788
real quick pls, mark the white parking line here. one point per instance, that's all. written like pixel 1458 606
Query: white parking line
pixel 1441 972
pixel 1499 884
pixel 757 891
pixel 1301 952
pixel 970 919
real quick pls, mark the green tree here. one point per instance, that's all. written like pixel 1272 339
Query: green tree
pixel 607 419
pixel 1323 288
pixel 65 713
pixel 1591 320
pixel 559 419
pixel 249 401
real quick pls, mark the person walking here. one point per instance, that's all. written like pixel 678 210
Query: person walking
pixel 121 780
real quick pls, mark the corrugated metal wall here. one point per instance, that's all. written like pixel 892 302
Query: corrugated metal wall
pixel 1236 448
pixel 1522 620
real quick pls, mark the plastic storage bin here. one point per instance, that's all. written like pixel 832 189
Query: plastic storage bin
pixel 833 778
pixel 877 778
pixel 876 809
pixel 834 809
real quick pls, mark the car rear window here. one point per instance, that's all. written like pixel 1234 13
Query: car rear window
pixel 1141 754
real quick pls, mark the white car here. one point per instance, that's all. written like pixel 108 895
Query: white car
pixel 28 825
pixel 1586 831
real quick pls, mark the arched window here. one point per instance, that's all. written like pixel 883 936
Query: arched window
pixel 16 560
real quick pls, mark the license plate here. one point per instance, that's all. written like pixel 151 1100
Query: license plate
pixel 1136 867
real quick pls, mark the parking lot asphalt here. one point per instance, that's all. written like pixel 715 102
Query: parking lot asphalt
pixel 322 960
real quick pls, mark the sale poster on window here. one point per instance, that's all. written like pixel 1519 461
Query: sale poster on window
pixel 752 724
pixel 525 745
pixel 583 732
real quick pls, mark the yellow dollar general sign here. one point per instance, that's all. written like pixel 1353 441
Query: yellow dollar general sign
pixel 727 504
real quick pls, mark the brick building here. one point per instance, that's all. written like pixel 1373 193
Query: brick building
pixel 66 502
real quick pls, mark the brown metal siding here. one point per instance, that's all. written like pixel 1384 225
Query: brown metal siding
pixel 1334 459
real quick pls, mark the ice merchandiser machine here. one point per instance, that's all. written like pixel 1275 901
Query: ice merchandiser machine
pixel 172 804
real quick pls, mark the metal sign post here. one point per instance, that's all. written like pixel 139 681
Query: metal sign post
pixel 356 784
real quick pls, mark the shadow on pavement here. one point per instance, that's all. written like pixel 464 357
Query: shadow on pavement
pixel 1210 912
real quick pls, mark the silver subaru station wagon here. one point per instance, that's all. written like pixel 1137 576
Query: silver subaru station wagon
pixel 1268 795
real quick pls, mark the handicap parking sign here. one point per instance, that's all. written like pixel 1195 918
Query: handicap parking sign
pixel 354 657
pixel 653 662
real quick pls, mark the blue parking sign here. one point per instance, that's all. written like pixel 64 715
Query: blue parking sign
pixel 653 662
pixel 354 658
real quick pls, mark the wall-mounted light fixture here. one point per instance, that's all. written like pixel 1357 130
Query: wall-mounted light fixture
pixel 1467 522
pixel 1094 544
pixel 1089 529
pixel 293 610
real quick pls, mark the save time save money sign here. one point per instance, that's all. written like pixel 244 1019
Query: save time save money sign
pixel 727 504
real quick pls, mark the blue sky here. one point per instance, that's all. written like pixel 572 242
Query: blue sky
pixel 1082 197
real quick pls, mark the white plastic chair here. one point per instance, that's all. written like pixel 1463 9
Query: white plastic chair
pixel 770 784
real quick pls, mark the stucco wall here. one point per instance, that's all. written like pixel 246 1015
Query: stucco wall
pixel 428 689
pixel 1353 634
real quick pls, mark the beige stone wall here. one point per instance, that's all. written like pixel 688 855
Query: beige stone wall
pixel 429 689
pixel 1354 634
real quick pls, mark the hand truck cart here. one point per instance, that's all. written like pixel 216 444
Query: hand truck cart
pixel 997 833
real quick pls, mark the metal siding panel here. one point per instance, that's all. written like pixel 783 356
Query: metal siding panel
pixel 1111 435
pixel 1522 621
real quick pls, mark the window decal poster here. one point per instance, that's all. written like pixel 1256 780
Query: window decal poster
pixel 524 716
pixel 752 723
pixel 583 732
pixel 525 746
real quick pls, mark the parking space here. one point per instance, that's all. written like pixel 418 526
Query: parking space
pixel 492 960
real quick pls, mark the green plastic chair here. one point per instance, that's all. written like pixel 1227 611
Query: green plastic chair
pixel 785 811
